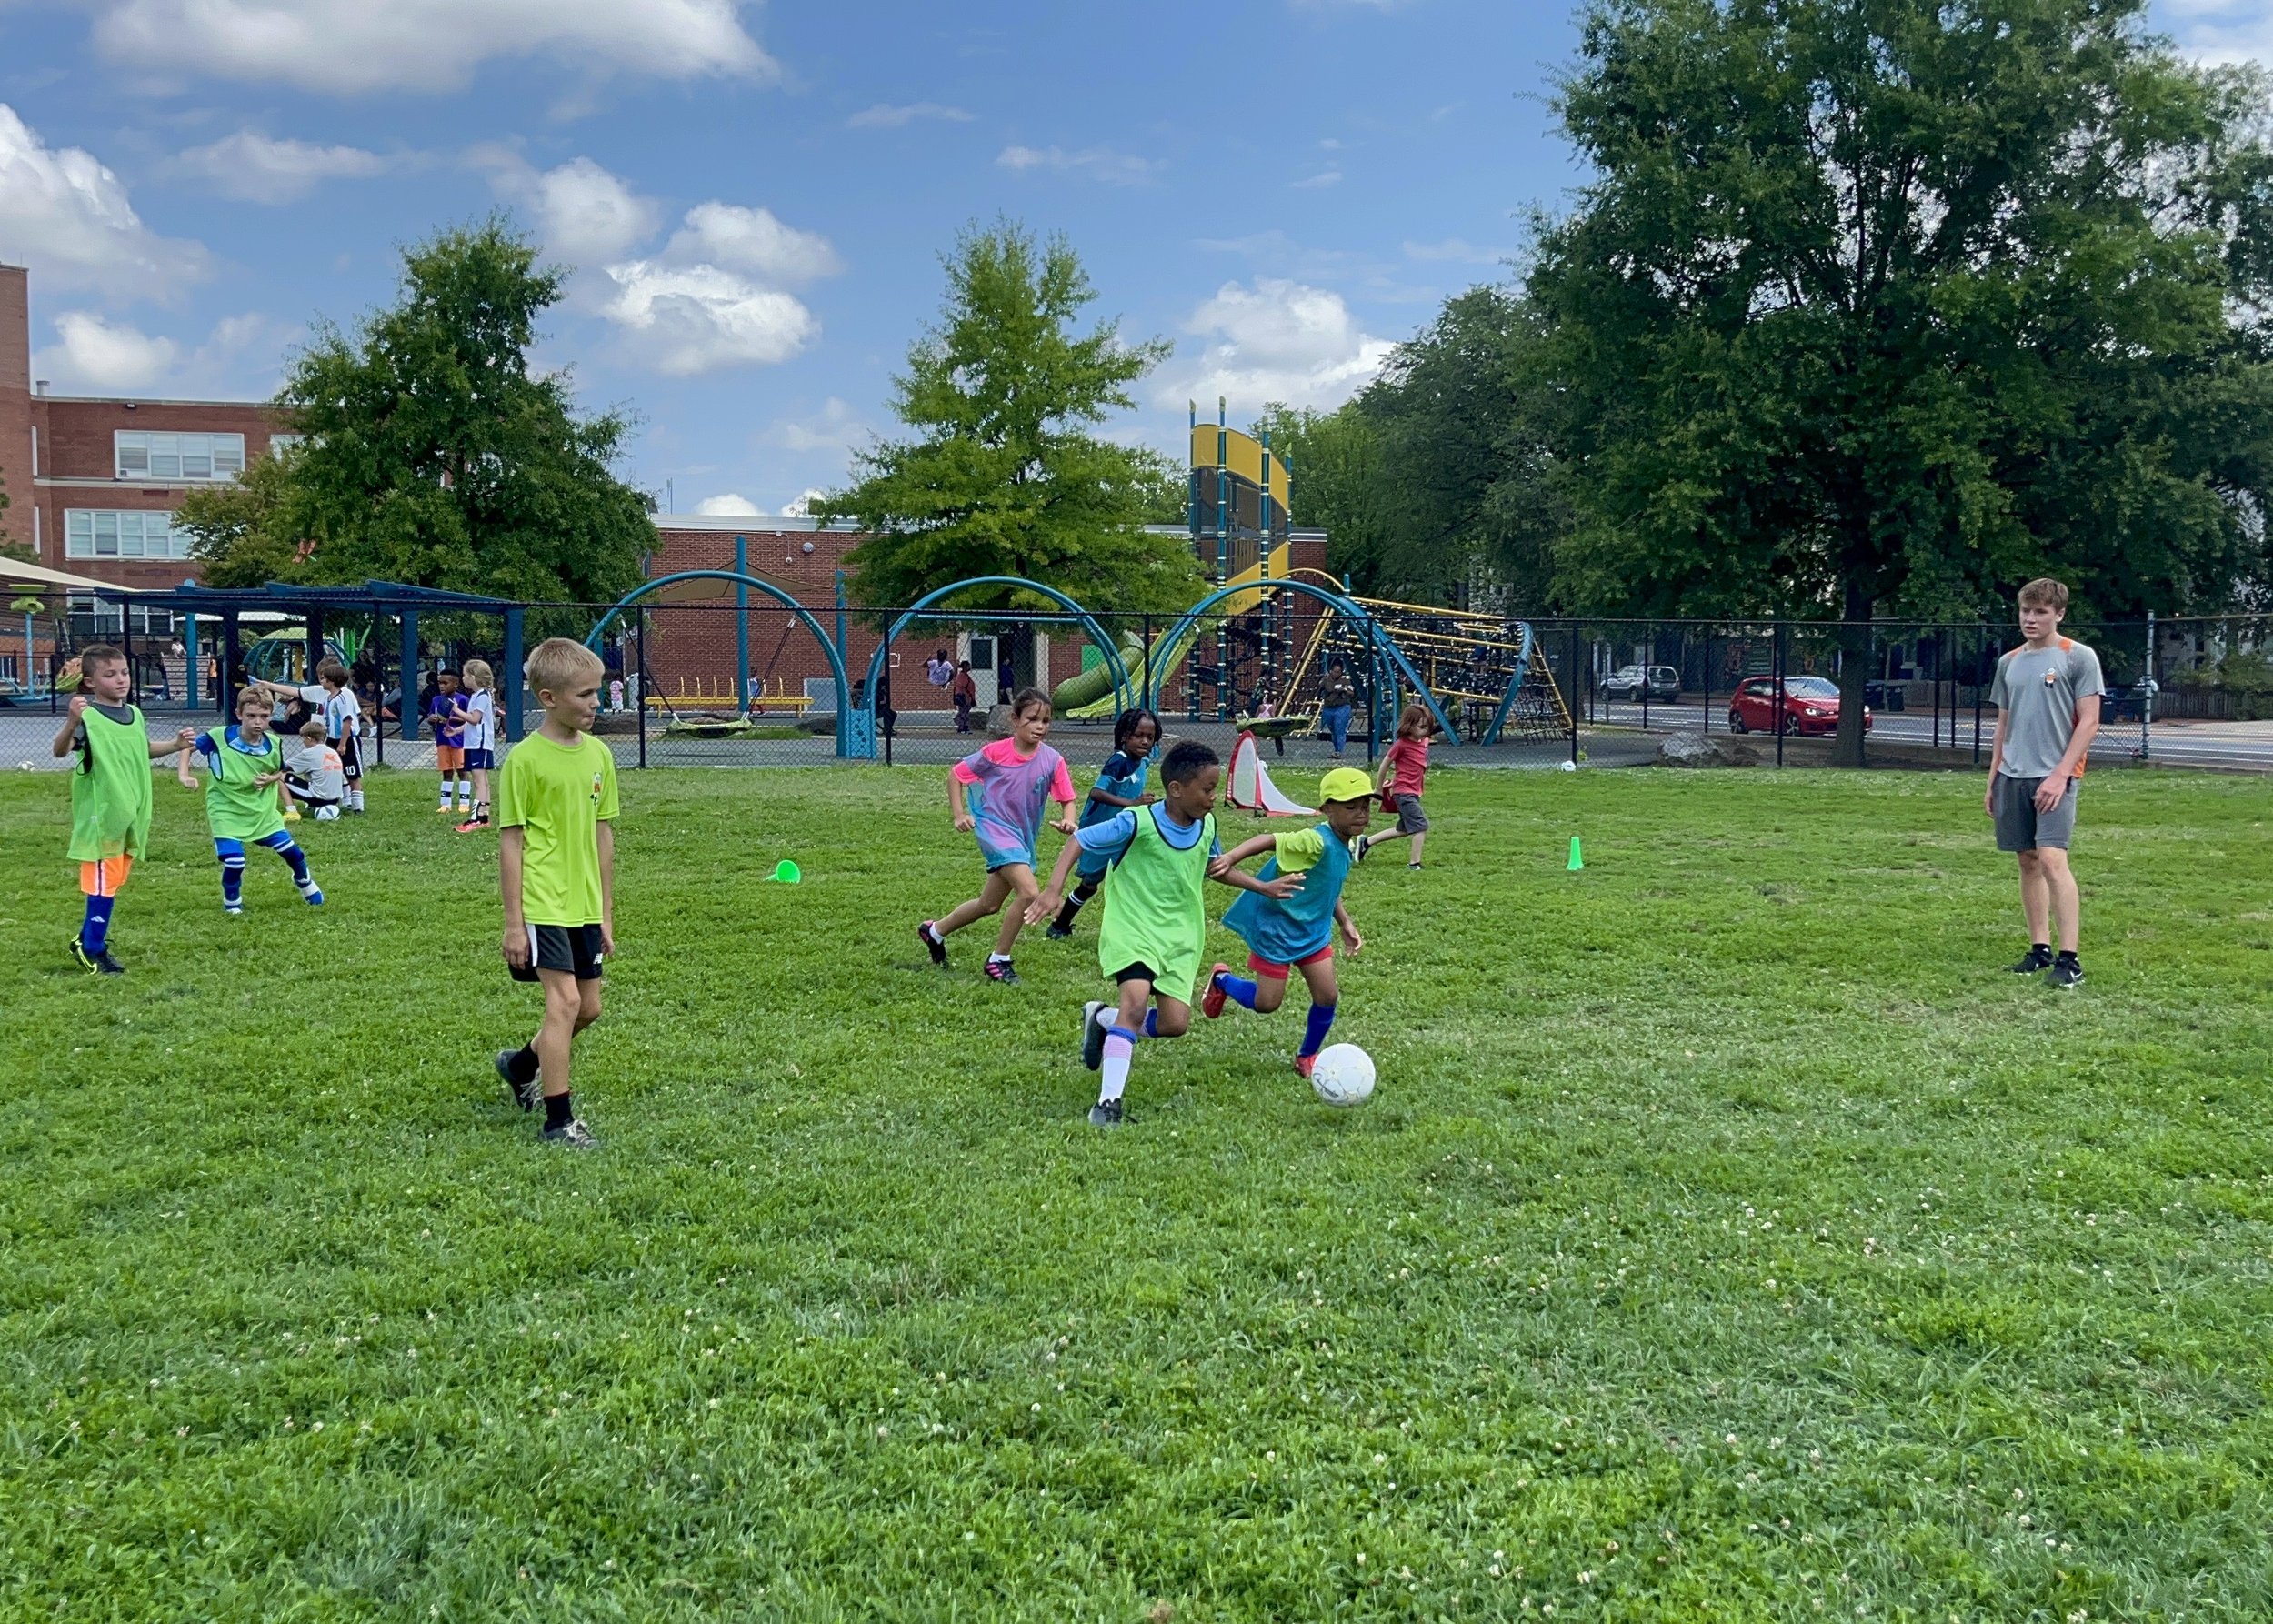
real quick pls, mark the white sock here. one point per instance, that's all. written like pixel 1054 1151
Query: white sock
pixel 1107 1015
pixel 1113 1074
pixel 998 959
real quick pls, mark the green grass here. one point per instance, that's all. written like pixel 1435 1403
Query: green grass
pixel 1730 1239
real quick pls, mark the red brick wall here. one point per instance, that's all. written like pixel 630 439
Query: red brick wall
pixel 15 408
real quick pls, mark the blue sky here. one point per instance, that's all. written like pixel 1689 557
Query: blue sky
pixel 755 197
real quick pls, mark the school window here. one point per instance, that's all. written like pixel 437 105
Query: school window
pixel 178 456
pixel 98 533
pixel 95 619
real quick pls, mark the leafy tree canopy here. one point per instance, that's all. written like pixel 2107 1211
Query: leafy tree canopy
pixel 433 456
pixel 1002 475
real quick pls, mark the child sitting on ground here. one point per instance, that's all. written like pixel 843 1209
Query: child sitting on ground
pixel 314 775
pixel 1298 932
pixel 1156 919
pixel 246 797
pixel 1120 783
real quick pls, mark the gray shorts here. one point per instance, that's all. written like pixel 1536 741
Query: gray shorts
pixel 2021 827
pixel 1410 818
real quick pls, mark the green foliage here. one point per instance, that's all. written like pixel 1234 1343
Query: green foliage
pixel 1002 477
pixel 1436 481
pixel 1885 308
pixel 1712 1247
pixel 434 456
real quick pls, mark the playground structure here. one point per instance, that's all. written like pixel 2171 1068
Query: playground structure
pixel 1263 633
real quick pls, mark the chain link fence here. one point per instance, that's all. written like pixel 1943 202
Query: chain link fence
pixel 704 681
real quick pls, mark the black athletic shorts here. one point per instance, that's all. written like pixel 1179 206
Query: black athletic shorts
pixel 351 757
pixel 1140 971
pixel 572 947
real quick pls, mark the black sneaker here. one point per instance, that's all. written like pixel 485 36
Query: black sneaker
pixel 1092 1034
pixel 95 964
pixel 933 945
pixel 1105 1113
pixel 998 969
pixel 2067 973
pixel 574 1134
pixel 2034 962
pixel 1058 933
pixel 524 1088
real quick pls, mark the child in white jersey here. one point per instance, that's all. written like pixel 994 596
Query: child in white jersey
pixel 479 710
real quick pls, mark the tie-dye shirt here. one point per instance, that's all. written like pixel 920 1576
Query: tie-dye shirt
pixel 1006 793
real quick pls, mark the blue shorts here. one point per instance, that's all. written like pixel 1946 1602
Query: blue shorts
pixel 1094 866
pixel 481 761
pixel 1006 859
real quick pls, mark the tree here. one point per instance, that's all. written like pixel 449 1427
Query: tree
pixel 1002 477
pixel 1885 304
pixel 434 455
pixel 1334 475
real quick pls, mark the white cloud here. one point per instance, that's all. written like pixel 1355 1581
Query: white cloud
pixel 752 240
pixel 97 356
pixel 251 167
pixel 583 212
pixel 835 428
pixel 802 507
pixel 729 505
pixel 1098 162
pixel 1276 340
pixel 2221 31
pixel 349 46
pixel 694 318
pixel 66 217
pixel 884 115
pixel 1324 177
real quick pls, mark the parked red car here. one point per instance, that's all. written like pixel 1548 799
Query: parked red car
pixel 1810 704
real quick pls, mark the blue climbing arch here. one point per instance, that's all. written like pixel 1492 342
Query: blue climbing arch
pixel 757 583
pixel 859 739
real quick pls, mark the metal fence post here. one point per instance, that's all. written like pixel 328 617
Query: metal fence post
pixel 639 700
pixel 1145 682
pixel 1980 648
pixel 1709 681
pixel 1780 700
pixel 2146 688
pixel 1571 680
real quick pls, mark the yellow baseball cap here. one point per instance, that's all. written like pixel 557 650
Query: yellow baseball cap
pixel 1345 784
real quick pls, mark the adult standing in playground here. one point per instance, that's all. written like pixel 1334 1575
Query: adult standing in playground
pixel 1337 694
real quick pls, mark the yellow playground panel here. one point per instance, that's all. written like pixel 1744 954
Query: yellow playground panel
pixel 700 694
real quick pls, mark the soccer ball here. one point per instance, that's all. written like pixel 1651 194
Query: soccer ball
pixel 1570 767
pixel 1343 1075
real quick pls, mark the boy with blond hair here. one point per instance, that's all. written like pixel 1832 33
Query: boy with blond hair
pixel 111 794
pixel 557 868
pixel 333 696
pixel 246 797
pixel 2047 694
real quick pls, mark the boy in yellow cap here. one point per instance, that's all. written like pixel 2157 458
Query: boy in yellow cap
pixel 1297 932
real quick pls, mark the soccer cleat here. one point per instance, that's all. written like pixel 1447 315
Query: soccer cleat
pixel 574 1134
pixel 2066 973
pixel 2033 962
pixel 1412 864
pixel 1211 1001
pixel 472 825
pixel 524 1090
pixel 95 964
pixel 1105 1113
pixel 1305 1064
pixel 312 893
pixel 933 945
pixel 1362 847
pixel 1092 1034
pixel 999 970
pixel 1058 933
pixel 236 911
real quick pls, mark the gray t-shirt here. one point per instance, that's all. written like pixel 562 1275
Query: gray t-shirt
pixel 2037 690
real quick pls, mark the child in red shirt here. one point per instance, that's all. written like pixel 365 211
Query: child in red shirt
pixel 1404 772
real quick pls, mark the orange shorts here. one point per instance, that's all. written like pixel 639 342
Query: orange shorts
pixel 450 759
pixel 105 878
pixel 1272 970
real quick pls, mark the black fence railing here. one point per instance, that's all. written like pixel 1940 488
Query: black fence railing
pixel 704 681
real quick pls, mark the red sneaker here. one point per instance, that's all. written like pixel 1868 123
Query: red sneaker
pixel 1305 1064
pixel 1211 1001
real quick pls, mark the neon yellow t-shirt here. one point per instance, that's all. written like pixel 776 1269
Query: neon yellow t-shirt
pixel 1300 849
pixel 557 796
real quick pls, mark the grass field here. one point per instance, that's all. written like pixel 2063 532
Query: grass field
pixel 1730 1238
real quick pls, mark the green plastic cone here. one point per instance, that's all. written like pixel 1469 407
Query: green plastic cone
pixel 786 872
pixel 1577 862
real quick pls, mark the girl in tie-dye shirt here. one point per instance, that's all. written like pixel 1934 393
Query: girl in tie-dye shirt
pixel 999 794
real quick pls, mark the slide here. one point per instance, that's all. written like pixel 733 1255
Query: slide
pixel 1167 656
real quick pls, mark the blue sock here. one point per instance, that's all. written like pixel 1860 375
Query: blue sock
pixel 1321 1019
pixel 233 879
pixel 1239 989
pixel 95 931
pixel 289 850
pixel 1152 1023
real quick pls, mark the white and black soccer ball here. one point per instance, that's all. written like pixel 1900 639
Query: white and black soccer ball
pixel 1343 1075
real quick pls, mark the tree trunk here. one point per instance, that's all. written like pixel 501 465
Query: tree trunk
pixel 1855 646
